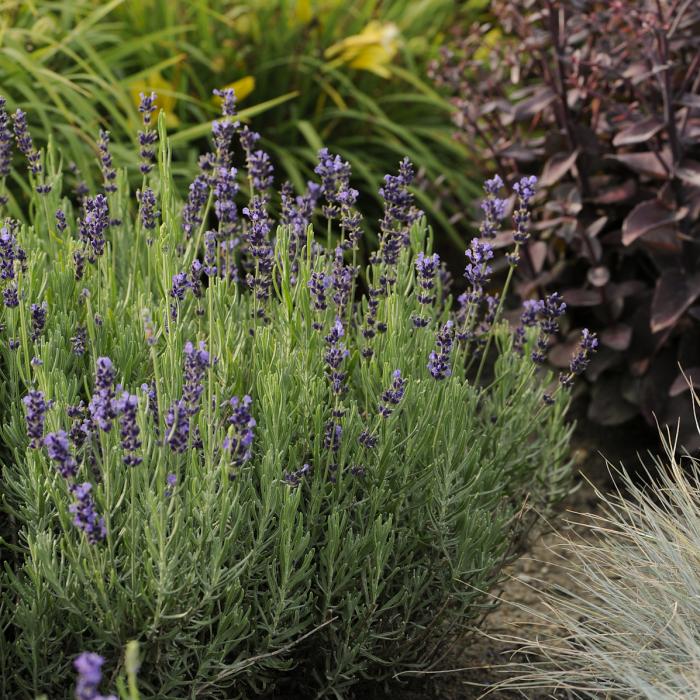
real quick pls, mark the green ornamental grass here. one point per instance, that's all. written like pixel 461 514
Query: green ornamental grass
pixel 226 441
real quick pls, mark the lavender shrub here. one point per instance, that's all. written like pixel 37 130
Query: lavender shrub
pixel 217 444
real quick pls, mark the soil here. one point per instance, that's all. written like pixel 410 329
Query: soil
pixel 481 666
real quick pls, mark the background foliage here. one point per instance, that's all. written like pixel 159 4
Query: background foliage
pixel 311 73
pixel 601 99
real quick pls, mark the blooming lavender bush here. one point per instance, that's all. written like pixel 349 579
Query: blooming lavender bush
pixel 225 440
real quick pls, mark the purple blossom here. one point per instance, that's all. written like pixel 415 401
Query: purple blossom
pixel 149 213
pixel 228 97
pixel 196 199
pixel 427 266
pixel 79 340
pixel 296 213
pixel 263 253
pixel 368 439
pixel 478 271
pixel 171 481
pixel 5 141
pixel 525 189
pixel 318 284
pixel 294 478
pixel 150 391
pixel 493 207
pixel 258 162
pixel 333 432
pixel 334 173
pixel 177 291
pixel 549 310
pixel 89 668
pixel 341 280
pixel 103 407
pixel 38 313
pixel 127 405
pixel 400 213
pixel 197 361
pixel 239 441
pixel 25 145
pixel 580 361
pixel 148 137
pixel 94 223
pixel 439 359
pixel 109 174
pixel 60 220
pixel 393 395
pixel 10 297
pixel 225 191
pixel 10 252
pixel 35 406
pixel 58 449
pixel 177 423
pixel 85 515
pixel 335 354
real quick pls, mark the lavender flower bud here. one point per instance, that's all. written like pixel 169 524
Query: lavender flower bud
pixel 25 145
pixel 177 423
pixel 439 360
pixel 102 405
pixel 493 208
pixel 149 213
pixel 109 174
pixel 240 439
pixel 59 451
pixel 127 406
pixel 393 395
pixel 89 667
pixel 294 478
pixel 196 364
pixel 35 406
pixel 85 515
pixel 38 312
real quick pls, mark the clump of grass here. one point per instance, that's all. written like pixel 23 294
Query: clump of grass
pixel 628 622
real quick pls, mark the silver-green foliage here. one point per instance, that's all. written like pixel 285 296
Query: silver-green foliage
pixel 627 623
pixel 237 581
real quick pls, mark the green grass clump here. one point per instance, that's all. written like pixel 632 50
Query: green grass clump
pixel 278 469
pixel 349 76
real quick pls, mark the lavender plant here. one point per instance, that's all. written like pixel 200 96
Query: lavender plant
pixel 224 439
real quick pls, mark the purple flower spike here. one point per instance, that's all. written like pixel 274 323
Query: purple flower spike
pixel 177 423
pixel 400 213
pixel 25 145
pixel 148 137
pixel 89 668
pixel 103 408
pixel 127 406
pixel 149 213
pixel 58 450
pixel 35 406
pixel 171 481
pixel 192 211
pixel 240 440
pixel 580 361
pixel 294 478
pixel 197 361
pixel 60 220
pixel 5 141
pixel 85 515
pixel 493 207
pixel 525 189
pixel 109 174
pixel 335 354
pixel 38 313
pixel 318 284
pixel 147 106
pixel 93 225
pixel 439 360
pixel 393 395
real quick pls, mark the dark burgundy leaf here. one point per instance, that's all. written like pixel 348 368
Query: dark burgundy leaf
pixel 556 167
pixel 617 337
pixel 674 293
pixel 646 217
pixel 689 171
pixel 597 226
pixel 560 355
pixel 647 163
pixel 639 132
pixel 683 383
pixel 689 100
pixel 617 194
pixel 582 297
pixel 607 407
pixel 535 104
pixel 537 251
